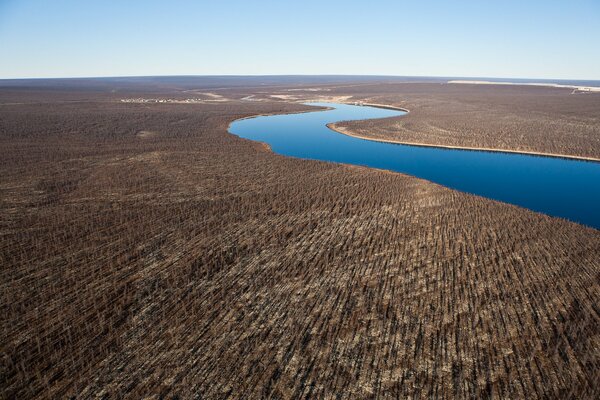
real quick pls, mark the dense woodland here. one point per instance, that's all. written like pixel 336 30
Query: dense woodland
pixel 147 252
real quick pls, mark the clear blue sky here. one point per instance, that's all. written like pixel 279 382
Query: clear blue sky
pixel 528 39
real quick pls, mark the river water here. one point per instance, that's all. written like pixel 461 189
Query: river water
pixel 559 187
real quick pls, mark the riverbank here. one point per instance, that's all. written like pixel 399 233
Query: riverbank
pixel 348 132
pixel 519 118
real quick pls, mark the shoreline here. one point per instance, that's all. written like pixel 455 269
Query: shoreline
pixel 264 144
pixel 278 113
pixel 387 107
pixel 344 131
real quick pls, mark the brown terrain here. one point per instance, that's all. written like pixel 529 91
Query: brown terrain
pixel 146 252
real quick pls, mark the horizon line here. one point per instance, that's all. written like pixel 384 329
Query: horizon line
pixel 291 75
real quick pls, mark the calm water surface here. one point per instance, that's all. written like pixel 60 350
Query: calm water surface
pixel 559 187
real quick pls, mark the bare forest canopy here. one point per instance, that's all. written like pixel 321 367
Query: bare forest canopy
pixel 145 251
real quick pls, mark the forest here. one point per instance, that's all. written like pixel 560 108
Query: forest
pixel 147 252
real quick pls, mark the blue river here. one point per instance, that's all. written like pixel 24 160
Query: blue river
pixel 558 187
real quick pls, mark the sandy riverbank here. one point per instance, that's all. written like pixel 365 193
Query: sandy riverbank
pixel 347 132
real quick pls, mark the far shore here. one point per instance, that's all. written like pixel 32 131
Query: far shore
pixel 346 132
pixel 386 107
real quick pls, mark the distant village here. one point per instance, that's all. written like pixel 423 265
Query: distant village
pixel 174 101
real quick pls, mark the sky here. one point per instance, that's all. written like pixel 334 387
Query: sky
pixel 462 38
